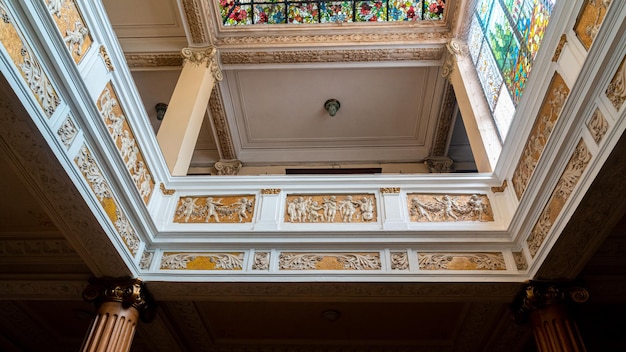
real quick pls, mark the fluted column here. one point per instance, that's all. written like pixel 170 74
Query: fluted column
pixel 545 306
pixel 121 303
pixel 181 124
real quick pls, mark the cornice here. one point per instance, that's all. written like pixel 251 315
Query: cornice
pixel 150 60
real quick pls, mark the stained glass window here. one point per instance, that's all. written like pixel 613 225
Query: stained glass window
pixel 503 41
pixel 249 12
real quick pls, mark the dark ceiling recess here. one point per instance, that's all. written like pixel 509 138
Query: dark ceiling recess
pixel 343 171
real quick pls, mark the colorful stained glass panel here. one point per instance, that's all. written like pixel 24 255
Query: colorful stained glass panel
pixel 269 13
pixel 371 11
pixel 403 10
pixel 239 15
pixel 336 11
pixel 433 9
pixel 538 24
pixel 489 76
pixel 483 9
pixel 475 39
pixel 499 34
pixel 303 13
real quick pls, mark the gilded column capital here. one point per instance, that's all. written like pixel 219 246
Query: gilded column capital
pixel 203 56
pixel 536 295
pixel 128 292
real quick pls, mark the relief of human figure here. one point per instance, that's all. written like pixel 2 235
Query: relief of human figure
pixel 314 215
pixel 76 37
pixel 448 207
pixel 476 207
pixel 244 205
pixel 367 208
pixel 187 208
pixel 211 209
pixel 291 211
pixel 417 208
pixel 330 208
pixel 347 209
pixel 144 188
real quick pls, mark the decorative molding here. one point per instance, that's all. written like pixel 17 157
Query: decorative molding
pixel 35 247
pixel 399 261
pixel 535 295
pixel 461 261
pixel 218 114
pixel 390 190
pixel 345 208
pixel 559 48
pixel 329 261
pixel 410 36
pixel 449 208
pixel 616 91
pixel 589 21
pixel 215 209
pixel 327 56
pixel 146 259
pixel 154 60
pixel 547 117
pixel 72 26
pixel 598 126
pixel 444 122
pixel 520 260
pixel 127 292
pixel 40 289
pixel 203 56
pixel 106 58
pixel 165 191
pixel 456 48
pixel 194 16
pixel 439 164
pixel 565 186
pixel 261 261
pixel 271 191
pixel 228 167
pixel 67 132
pixel 202 261
pixel 120 131
pixel 501 188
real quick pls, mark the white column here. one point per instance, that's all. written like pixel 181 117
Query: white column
pixel 179 130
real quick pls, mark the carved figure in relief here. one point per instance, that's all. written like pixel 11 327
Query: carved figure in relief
pixel 244 207
pixel 448 207
pixel 302 209
pixel 107 103
pixel 291 210
pixel 314 215
pixel 132 158
pixel 476 207
pixel 367 208
pixel 54 6
pixel 127 145
pixel 76 37
pixel 187 209
pixel 347 209
pixel 417 208
pixel 210 209
pixel 144 189
pixel 116 127
pixel 330 208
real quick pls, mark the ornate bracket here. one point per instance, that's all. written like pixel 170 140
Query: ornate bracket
pixel 203 56
pixel 456 48
pixel 228 166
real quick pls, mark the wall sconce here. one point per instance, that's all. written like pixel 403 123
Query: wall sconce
pixel 160 110
pixel 332 106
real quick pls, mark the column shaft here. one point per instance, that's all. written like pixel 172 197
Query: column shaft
pixel 554 331
pixel 112 330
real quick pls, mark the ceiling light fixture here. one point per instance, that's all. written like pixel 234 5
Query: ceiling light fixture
pixel 332 105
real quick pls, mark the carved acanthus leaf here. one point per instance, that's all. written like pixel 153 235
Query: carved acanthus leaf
pixel 399 261
pixel 261 261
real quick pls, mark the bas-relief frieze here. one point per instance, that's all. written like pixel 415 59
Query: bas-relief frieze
pixel 146 259
pixel 101 189
pixel 461 261
pixel 27 64
pixel 119 129
pixel 202 261
pixel 520 260
pixel 564 188
pixel 616 91
pixel 73 28
pixel 261 261
pixel 345 208
pixel 215 209
pixel 399 261
pixel 589 21
pixel 67 132
pixel 547 117
pixel 453 207
pixel 329 261
pixel 598 126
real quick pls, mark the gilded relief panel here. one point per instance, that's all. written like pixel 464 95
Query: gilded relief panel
pixel 72 27
pixel 446 208
pixel 589 21
pixel 117 124
pixel 616 91
pixel 549 113
pixel 28 65
pixel 328 208
pixel 101 189
pixel 564 188
pixel 461 261
pixel 202 261
pixel 215 209
pixel 329 261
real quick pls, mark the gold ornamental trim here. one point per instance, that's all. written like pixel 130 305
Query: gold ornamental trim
pixel 106 58
pixel 559 48
pixel 501 188
pixel 390 190
pixel 165 191
pixel 270 191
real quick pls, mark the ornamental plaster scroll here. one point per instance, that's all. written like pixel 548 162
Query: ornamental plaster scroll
pixel 547 117
pixel 154 60
pixel 261 261
pixel 27 64
pixel 215 209
pixel 520 260
pixel 589 21
pixel 461 261
pixel 598 126
pixel 146 259
pixel 439 164
pixel 70 23
pixel 101 189
pixel 35 248
pixel 120 131
pixel 565 186
pixel 399 261
pixel 218 115
pixel 327 56
pixel 456 48
pixel 344 208
pixel 67 132
pixel 329 261
pixel 202 261
pixel 559 48
pixel 449 208
pixel 227 167
pixel 106 58
pixel 203 56
pixel 616 91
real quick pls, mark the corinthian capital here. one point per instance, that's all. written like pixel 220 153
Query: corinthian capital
pixel 535 295
pixel 456 48
pixel 203 56
pixel 128 292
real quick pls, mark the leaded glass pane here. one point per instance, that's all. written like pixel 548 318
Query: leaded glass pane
pixel 371 11
pixel 475 39
pixel 336 11
pixel 303 13
pixel 433 9
pixel 538 24
pixel 269 13
pixel 522 68
pixel 499 34
pixel 489 76
pixel 239 15
pixel 508 69
pixel 483 9
pixel 503 113
pixel 403 10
